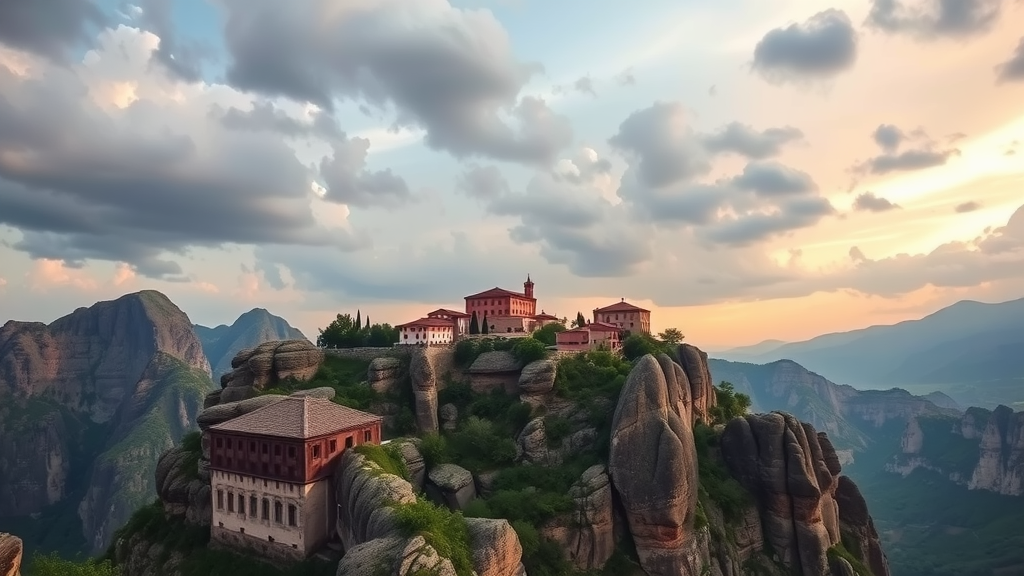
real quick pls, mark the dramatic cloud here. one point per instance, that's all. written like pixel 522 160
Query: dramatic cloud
pixel 483 182
pixel 821 47
pixel 925 154
pixel 929 19
pixel 181 59
pixel 50 28
pixel 744 140
pixel 1013 69
pixel 348 181
pixel 668 160
pixel 583 168
pixel 449 71
pixel 92 167
pixel 868 202
pixel 966 207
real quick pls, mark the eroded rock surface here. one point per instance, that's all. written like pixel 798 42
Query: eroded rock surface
pixel 855 520
pixel 11 551
pixel 451 485
pixel 587 535
pixel 384 374
pixel 259 368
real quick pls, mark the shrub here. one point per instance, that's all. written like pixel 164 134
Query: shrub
pixel 388 457
pixel 730 404
pixel 444 530
pixel 477 445
pixel 548 333
pixel 529 539
pixel 720 487
pixel 53 565
pixel 434 449
pixel 527 350
pixel 638 345
pixel 477 508
pixel 192 444
pixel 458 393
pixel 556 428
pixel 591 374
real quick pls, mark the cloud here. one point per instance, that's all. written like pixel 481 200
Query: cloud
pixel 583 168
pixel 966 207
pixel 482 182
pixel 668 162
pixel 349 182
pixel 1013 69
pixel 447 70
pixel 820 48
pixel 49 28
pixel 181 59
pixel 932 19
pixel 626 78
pixel 47 273
pixel 868 202
pixel 744 140
pixel 890 139
pixel 143 177
pixel 584 85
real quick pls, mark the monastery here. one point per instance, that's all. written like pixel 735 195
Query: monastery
pixel 514 314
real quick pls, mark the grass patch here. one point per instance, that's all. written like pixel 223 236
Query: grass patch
pixel 389 458
pixel 443 529
pixel 346 376
pixel 485 432
pixel 839 551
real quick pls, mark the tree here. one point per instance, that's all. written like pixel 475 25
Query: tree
pixel 580 321
pixel 638 345
pixel 53 565
pixel 730 403
pixel 485 329
pixel 474 324
pixel 359 319
pixel 367 321
pixel 344 332
pixel 547 333
pixel 527 350
pixel 671 336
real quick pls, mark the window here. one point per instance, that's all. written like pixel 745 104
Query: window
pixel 231 502
pixel 220 499
pixel 291 451
pixel 253 505
pixel 334 445
pixel 252 446
pixel 277 449
pixel 367 435
pixel 241 504
pixel 278 511
pixel 265 448
pixel 220 443
pixel 316 451
pixel 266 509
pixel 292 520
pixel 348 442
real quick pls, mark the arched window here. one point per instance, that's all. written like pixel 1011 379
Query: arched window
pixel 278 512
pixel 293 515
pixel 266 509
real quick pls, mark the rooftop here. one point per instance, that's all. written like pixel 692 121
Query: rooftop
pixel 602 327
pixel 428 323
pixel 497 293
pixel 622 306
pixel 445 311
pixel 298 417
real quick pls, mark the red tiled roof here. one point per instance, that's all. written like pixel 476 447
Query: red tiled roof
pixel 428 323
pixel 298 417
pixel 620 307
pixel 571 331
pixel 543 316
pixel 452 313
pixel 497 293
pixel 602 327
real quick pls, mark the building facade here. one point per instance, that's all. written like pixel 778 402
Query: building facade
pixel 459 320
pixel 625 316
pixel 427 332
pixel 270 474
pixel 593 336
pixel 507 311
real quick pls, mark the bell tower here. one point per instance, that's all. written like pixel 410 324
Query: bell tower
pixel 528 287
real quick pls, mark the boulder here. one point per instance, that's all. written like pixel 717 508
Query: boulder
pixel 394 556
pixel 855 520
pixel 587 535
pixel 451 485
pixel 181 490
pixel 384 374
pixel 413 463
pixel 449 414
pixel 496 547
pixel 424 378
pixel 653 466
pixel 365 495
pixel 537 378
pixel 256 369
pixel 11 550
pixel 495 362
pixel 694 363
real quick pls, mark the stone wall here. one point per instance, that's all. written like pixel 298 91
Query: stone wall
pixel 273 552
pixel 369 353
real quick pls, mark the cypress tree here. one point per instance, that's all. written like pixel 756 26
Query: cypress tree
pixel 474 324
pixel 484 329
pixel 359 320
pixel 367 321
pixel 580 320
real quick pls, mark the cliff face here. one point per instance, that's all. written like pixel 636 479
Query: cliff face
pixel 10 555
pixel 983 449
pixel 89 402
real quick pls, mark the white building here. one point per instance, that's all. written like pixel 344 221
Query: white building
pixel 427 331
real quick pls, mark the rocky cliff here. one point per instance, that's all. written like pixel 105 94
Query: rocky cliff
pixel 10 555
pixel 982 449
pixel 614 466
pixel 222 343
pixel 88 403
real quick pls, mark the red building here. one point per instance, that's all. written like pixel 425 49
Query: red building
pixel 593 336
pixel 500 302
pixel 270 473
pixel 625 316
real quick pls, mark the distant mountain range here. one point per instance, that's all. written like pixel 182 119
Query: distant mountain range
pixel 972 351
pixel 251 329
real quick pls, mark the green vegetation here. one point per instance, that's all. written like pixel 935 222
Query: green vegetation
pixel 388 457
pixel 930 526
pixel 579 321
pixel 556 428
pixel 548 333
pixel 53 565
pixel 671 336
pixel 946 448
pixel 716 484
pixel 443 529
pixel 839 551
pixel 636 346
pixel 192 444
pixel 344 332
pixel 150 524
pixel 589 375
pixel 730 403
pixel 467 351
pixel 528 350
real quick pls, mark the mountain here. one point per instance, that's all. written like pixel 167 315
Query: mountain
pixel 87 405
pixel 752 350
pixel 907 453
pixel 970 351
pixel 251 329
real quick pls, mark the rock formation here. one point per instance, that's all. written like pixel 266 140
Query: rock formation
pixel 10 555
pixel 587 535
pixel 856 522
pixel 74 393
pixel 262 367
pixel 223 343
pixel 653 465
pixel 1000 466
pixel 384 374
pixel 495 370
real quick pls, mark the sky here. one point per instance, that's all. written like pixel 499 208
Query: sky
pixel 746 170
